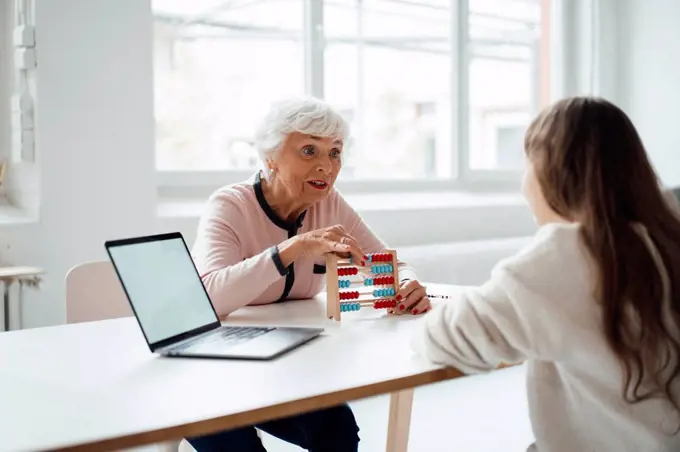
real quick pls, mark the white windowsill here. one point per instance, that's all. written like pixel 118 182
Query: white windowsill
pixel 375 202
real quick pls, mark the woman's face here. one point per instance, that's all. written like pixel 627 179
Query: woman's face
pixel 534 195
pixel 308 166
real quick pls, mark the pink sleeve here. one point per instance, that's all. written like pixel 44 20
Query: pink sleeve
pixel 368 241
pixel 231 281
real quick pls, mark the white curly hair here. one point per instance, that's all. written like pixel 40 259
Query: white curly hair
pixel 307 115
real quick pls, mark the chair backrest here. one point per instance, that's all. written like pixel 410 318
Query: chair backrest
pixel 93 292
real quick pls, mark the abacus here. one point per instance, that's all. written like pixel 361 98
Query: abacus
pixel 381 278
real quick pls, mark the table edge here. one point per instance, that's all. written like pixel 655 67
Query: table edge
pixel 266 413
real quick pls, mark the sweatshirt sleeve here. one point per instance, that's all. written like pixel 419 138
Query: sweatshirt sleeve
pixel 514 316
pixel 477 331
pixel 366 238
pixel 231 281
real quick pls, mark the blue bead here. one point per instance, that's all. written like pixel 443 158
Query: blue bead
pixel 370 258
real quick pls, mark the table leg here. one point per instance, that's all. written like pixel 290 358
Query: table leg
pixel 6 303
pixel 399 420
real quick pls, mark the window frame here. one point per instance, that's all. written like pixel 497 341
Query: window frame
pixel 192 183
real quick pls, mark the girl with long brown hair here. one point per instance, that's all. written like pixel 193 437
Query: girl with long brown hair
pixel 593 304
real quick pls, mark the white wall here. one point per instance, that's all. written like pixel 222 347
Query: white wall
pixel 649 71
pixel 95 134
pixel 94 141
pixel 94 173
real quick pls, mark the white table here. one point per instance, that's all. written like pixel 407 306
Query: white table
pixel 96 386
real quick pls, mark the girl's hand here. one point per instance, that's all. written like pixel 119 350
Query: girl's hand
pixel 412 297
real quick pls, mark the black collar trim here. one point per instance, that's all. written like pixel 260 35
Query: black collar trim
pixel 273 216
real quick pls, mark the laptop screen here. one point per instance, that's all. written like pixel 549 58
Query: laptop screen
pixel 163 286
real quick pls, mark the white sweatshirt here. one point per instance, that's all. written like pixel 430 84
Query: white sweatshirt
pixel 538 307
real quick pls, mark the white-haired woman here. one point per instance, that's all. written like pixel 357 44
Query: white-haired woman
pixel 264 241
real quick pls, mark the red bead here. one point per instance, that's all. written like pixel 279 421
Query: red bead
pixel 355 270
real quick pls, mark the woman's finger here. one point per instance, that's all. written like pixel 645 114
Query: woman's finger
pixel 412 299
pixel 358 255
pixel 421 306
pixel 406 289
pixel 334 246
pixel 353 248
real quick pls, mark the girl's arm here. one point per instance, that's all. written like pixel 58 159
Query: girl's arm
pixel 527 309
pixel 475 332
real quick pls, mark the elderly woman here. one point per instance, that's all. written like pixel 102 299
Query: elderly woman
pixel 265 240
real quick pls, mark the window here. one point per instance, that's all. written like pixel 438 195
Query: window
pixel 435 90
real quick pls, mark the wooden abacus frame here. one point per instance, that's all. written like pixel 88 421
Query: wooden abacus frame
pixel 335 264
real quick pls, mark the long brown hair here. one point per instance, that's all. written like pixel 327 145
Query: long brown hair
pixel 593 169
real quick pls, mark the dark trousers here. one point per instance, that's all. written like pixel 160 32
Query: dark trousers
pixel 329 430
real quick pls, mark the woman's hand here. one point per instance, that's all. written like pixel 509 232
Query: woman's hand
pixel 412 297
pixel 320 242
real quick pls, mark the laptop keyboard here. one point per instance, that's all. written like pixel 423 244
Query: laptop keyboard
pixel 228 336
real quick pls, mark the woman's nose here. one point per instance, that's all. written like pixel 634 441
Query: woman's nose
pixel 325 166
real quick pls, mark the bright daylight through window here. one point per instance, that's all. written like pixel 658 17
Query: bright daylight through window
pixel 390 66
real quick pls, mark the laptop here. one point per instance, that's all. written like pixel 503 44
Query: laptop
pixel 175 312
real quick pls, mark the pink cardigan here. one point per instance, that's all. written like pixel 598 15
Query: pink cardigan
pixel 235 249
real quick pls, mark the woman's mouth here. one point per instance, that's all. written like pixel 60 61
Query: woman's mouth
pixel 318 184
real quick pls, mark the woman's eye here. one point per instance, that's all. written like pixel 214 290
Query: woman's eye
pixel 335 153
pixel 308 150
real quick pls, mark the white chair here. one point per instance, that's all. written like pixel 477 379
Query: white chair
pixel 93 292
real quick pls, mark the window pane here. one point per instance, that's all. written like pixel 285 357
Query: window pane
pixel 388 68
pixel 505 79
pixel 218 66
